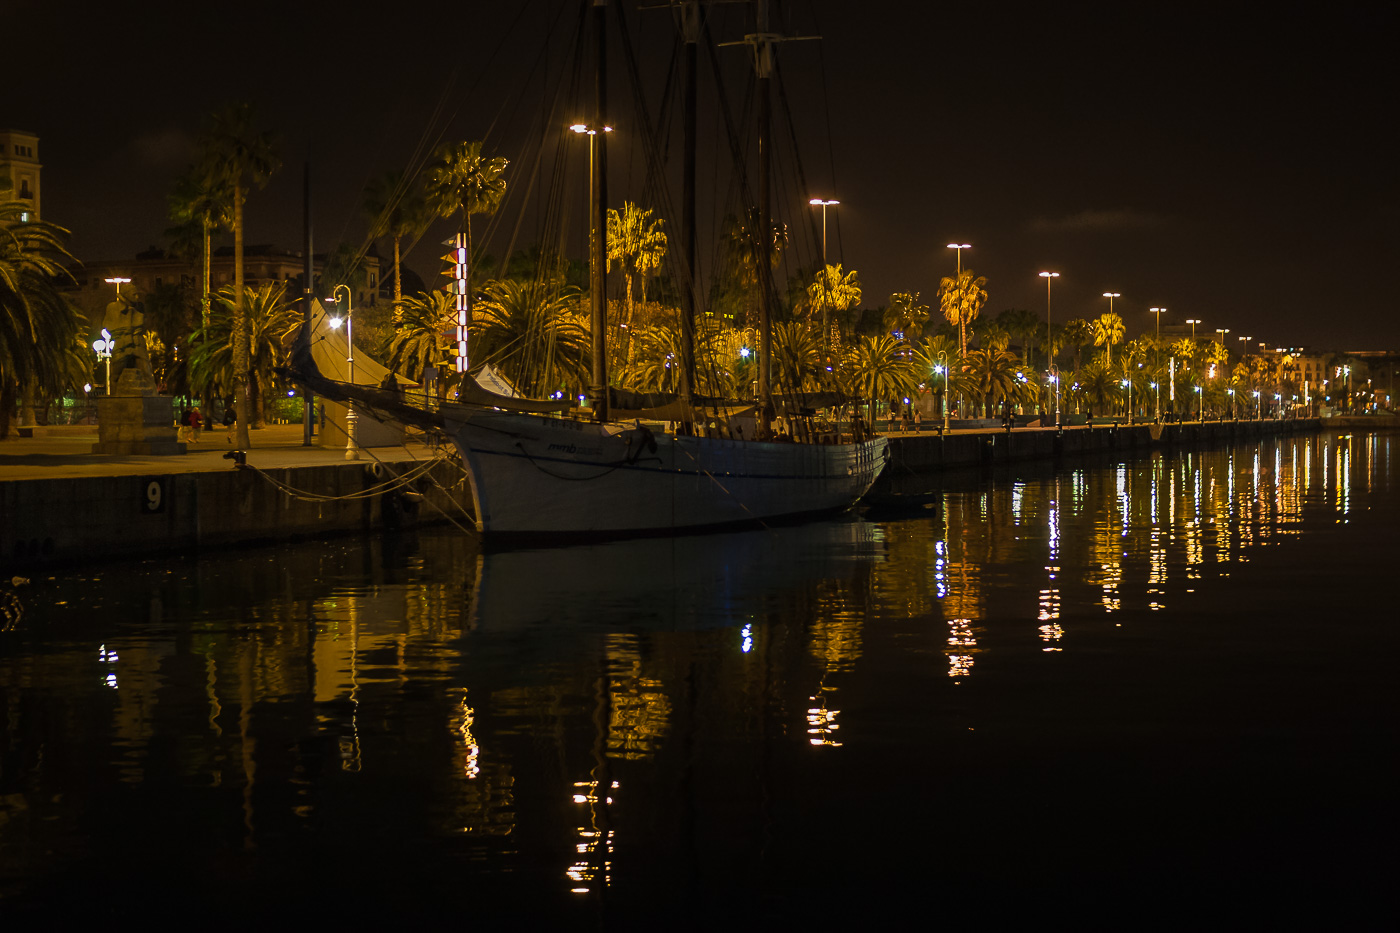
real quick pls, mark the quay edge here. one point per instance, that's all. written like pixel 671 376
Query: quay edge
pixel 933 453
pixel 84 518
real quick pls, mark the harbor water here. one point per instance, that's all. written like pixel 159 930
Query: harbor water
pixel 1135 693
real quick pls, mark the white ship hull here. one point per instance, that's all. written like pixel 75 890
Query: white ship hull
pixel 533 474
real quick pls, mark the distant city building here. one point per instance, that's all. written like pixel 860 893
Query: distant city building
pixel 19 165
pixel 154 268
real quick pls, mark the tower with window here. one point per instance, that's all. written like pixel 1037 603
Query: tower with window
pixel 19 165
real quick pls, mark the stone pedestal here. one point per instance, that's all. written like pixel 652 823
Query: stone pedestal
pixel 135 420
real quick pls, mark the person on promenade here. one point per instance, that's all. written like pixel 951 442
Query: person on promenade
pixel 196 420
pixel 918 421
pixel 230 419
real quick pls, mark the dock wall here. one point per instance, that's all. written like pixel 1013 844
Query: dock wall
pixel 932 453
pixel 45 521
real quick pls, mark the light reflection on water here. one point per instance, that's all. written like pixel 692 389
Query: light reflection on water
pixel 415 693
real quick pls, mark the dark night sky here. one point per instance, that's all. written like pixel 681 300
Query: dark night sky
pixel 1225 164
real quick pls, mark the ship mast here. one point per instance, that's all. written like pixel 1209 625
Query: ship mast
pixel 597 216
pixel 762 43
pixel 689 17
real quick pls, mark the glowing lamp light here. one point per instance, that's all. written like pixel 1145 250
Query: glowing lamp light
pixel 744 352
pixel 335 323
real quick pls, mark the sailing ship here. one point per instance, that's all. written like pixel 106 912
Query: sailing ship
pixel 631 463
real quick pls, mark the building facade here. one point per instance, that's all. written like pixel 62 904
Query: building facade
pixel 20 167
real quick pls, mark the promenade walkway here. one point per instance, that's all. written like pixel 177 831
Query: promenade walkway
pixel 66 451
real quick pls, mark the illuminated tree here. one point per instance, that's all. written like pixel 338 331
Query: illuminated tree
pixel 961 298
pixel 906 315
pixel 1108 331
pixel 833 292
pixel 637 243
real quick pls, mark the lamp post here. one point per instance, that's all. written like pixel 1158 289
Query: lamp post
pixel 119 282
pixel 1200 405
pixel 826 280
pixel 1193 321
pixel 818 202
pixel 943 369
pixel 1128 384
pixel 352 418
pixel 1049 346
pixel 960 247
pixel 597 257
pixel 103 346
pixel 1110 296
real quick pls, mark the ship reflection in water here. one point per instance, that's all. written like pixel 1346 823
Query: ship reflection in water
pixel 1058 694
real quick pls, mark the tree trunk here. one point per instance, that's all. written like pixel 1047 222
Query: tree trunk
pixel 7 403
pixel 627 278
pixel 398 283
pixel 208 410
pixel 241 375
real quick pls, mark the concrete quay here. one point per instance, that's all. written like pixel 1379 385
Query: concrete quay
pixel 932 452
pixel 61 503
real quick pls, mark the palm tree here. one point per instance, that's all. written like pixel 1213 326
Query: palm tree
pixel 199 203
pixel 463 180
pixel 961 298
pixel 237 157
pixel 397 208
pixel 638 244
pixel 1098 384
pixel 875 370
pixel 532 332
pixel 271 320
pixel 992 336
pixel 1026 327
pixel 1108 330
pixel 742 247
pixel 1078 334
pixel 417 341
pixel 906 315
pixel 39 328
pixel 797 357
pixel 831 290
pixel 657 368
pixel 994 374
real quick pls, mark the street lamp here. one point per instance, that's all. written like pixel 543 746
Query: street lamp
pixel 352 451
pixel 943 369
pixel 1049 343
pixel 119 282
pixel 818 202
pixel 1110 296
pixel 960 247
pixel 103 347
pixel 1200 405
pixel 1128 384
pixel 1193 321
pixel 597 260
